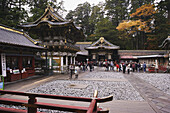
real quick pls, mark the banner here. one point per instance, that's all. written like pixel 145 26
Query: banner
pixel 3 62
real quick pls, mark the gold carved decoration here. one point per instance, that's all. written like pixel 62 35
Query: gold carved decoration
pixel 44 19
pixel 101 39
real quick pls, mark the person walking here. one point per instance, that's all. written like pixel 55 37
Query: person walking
pixel 133 67
pixel 117 67
pixel 71 70
pixel 128 68
pixel 156 66
pixel 90 66
pixel 144 67
pixel 124 67
pixel 139 67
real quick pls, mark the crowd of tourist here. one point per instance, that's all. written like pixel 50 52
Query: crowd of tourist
pixel 113 66
pixel 125 67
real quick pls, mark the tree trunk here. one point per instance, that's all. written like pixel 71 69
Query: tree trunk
pixel 137 41
pixel 168 15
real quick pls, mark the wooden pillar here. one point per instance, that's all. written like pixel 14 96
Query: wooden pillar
pixel 61 64
pixel 20 63
pixel 33 63
pixel 32 100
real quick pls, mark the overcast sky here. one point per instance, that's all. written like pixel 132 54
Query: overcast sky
pixel 72 4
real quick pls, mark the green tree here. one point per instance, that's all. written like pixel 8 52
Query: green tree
pixel 37 8
pixel 96 15
pixel 161 25
pixel 82 14
pixel 12 12
pixel 105 28
pixel 70 15
pixel 117 10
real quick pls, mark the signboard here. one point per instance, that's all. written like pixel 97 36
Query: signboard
pixel 1 82
pixel 3 62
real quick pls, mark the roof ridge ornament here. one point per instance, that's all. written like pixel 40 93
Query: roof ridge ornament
pixel 49 7
pixel 101 39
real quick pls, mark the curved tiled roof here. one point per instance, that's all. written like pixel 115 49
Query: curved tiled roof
pixel 46 21
pixel 15 37
pixel 104 44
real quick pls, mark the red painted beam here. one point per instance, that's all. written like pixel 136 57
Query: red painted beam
pixel 100 100
pixel 92 108
pixel 47 96
pixel 12 110
pixel 61 107
pixel 12 101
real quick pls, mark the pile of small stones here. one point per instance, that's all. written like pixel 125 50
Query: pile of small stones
pixel 105 74
pixel 119 90
pixel 158 80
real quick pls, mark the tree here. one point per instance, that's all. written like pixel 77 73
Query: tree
pixel 12 12
pixel 37 8
pixel 117 10
pixel 105 28
pixel 138 3
pixel 141 24
pixel 97 14
pixel 161 25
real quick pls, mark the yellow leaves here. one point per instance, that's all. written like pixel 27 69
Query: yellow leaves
pixel 131 24
pixel 144 16
pixel 145 10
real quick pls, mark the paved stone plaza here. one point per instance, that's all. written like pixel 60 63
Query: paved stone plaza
pixel 132 93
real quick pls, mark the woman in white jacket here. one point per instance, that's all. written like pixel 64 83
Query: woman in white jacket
pixel 128 68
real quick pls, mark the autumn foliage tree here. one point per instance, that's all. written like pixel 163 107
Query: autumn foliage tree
pixel 139 25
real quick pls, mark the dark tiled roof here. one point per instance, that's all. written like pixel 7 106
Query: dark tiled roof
pixel 14 37
pixel 105 44
pixel 140 52
pixel 46 21
pixel 82 46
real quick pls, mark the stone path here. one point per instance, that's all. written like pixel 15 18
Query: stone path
pixel 158 100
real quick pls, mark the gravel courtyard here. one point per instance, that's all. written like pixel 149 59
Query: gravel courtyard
pixel 158 80
pixel 106 82
pixel 120 90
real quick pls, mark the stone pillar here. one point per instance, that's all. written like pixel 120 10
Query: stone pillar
pixel 50 62
pixel 61 64
pixel 74 60
pixel 66 60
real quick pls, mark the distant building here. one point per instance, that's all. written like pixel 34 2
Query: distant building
pixel 18 52
pixel 82 55
pixel 59 35
pixel 102 50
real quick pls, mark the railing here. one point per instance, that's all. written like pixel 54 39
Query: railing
pixel 32 103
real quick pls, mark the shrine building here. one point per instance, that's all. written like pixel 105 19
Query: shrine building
pixel 59 35
pixel 102 50
pixel 18 52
